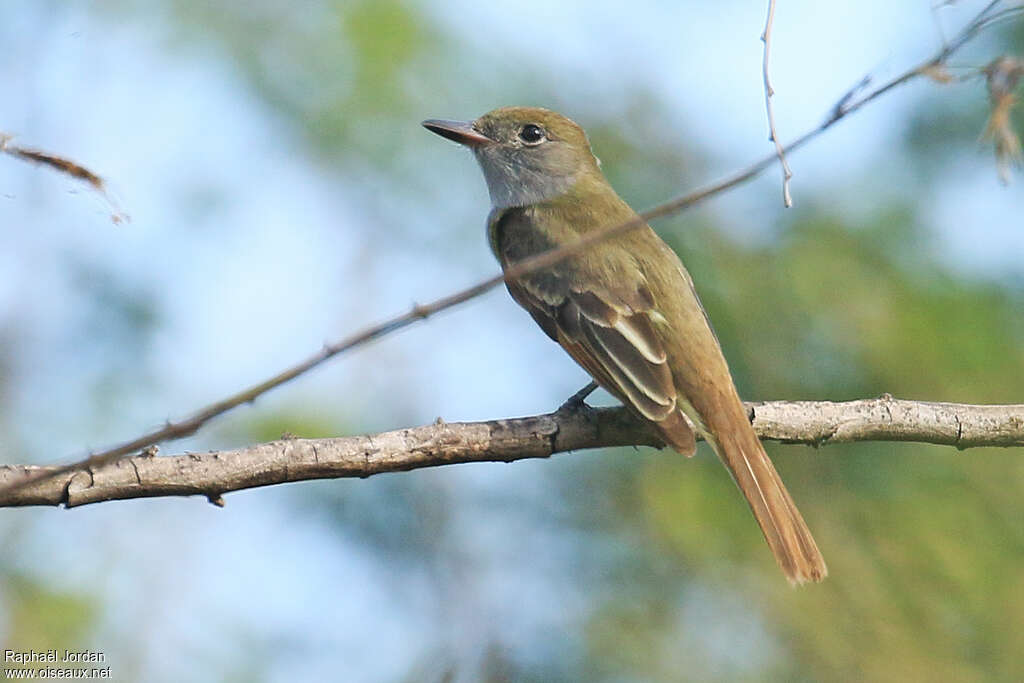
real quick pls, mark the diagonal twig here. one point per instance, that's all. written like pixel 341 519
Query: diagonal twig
pixel 847 105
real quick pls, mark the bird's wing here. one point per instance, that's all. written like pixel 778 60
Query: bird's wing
pixel 613 341
pixel 608 328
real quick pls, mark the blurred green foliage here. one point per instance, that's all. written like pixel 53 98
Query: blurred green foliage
pixel 343 72
pixel 40 617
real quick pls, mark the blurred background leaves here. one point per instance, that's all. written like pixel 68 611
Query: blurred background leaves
pixel 282 194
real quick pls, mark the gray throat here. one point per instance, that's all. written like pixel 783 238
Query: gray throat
pixel 512 184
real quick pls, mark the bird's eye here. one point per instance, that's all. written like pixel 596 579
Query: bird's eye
pixel 531 134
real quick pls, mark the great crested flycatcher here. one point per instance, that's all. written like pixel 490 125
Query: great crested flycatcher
pixel 625 309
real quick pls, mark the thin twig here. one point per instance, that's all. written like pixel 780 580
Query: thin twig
pixel 847 105
pixel 773 136
pixel 67 167
pixel 540 436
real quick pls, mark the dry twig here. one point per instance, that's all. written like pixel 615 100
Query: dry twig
pixel 67 167
pixel 1002 77
pixel 773 136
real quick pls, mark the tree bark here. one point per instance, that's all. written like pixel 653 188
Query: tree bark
pixel 212 474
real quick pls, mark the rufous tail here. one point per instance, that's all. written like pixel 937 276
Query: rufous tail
pixel 784 528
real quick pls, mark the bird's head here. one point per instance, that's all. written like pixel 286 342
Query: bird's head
pixel 527 154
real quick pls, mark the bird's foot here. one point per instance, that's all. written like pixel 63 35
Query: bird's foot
pixel 578 400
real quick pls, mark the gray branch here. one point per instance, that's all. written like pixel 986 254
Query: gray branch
pixel 212 474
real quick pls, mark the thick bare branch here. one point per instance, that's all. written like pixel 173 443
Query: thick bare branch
pixel 887 419
pixel 288 460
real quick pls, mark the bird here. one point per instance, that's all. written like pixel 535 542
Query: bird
pixel 625 309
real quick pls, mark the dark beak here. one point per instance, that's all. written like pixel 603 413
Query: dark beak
pixel 461 132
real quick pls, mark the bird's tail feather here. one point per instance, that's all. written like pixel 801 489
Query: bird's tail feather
pixel 784 528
